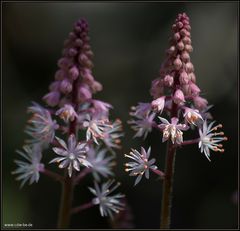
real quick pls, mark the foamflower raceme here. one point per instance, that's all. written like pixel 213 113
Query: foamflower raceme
pixel 73 130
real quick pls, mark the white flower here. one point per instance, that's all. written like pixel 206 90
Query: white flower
pixel 67 113
pixel 101 165
pixel 140 164
pixel 158 104
pixel 107 204
pixel 95 128
pixel 143 124
pixel 42 127
pixel 192 116
pixel 210 139
pixel 29 170
pixel 172 130
pixel 72 155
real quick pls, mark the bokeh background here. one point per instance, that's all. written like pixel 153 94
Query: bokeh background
pixel 129 41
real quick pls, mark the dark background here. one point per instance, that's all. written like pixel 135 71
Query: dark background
pixel 129 41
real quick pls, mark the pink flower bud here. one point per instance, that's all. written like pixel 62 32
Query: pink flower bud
pixel 200 103
pixel 65 86
pixel 72 52
pixel 192 77
pixel 180 25
pixel 84 93
pixel 78 42
pixel 171 50
pixel 64 63
pixel 184 78
pixel 194 89
pixel 73 73
pixel 185 56
pixel 186 40
pixel 168 80
pixel 183 32
pixel 177 63
pixel 60 74
pixel 180 46
pixel 158 104
pixel 176 36
pixel 189 67
pixel 188 48
pixel 54 86
pixel 72 35
pixel 52 98
pixel 96 86
pixel 178 97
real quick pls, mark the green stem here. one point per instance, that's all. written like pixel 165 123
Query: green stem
pixel 167 187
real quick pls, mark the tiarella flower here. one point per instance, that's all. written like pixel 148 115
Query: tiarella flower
pixel 143 125
pixel 29 168
pixel 210 139
pixel 141 164
pixel 101 107
pixel 72 154
pixel 41 126
pixel 141 110
pixel 101 165
pixel 158 104
pixel 67 113
pixel 172 130
pixel 192 116
pixel 95 128
pixel 112 135
pixel 108 205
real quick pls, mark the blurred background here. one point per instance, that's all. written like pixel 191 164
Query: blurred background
pixel 129 41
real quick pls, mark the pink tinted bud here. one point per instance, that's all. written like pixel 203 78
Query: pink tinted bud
pixel 183 32
pixel 65 86
pixel 174 26
pixel 177 63
pixel 178 97
pixel 84 93
pixel 194 89
pixel 186 40
pixel 78 29
pixel 158 104
pixel 96 86
pixel 176 36
pixel 171 50
pixel 60 75
pixel 72 35
pixel 192 77
pixel 184 78
pixel 72 52
pixel 188 48
pixel 73 73
pixel 52 98
pixel 89 54
pixel 200 103
pixel 78 42
pixel 54 86
pixel 188 27
pixel 180 46
pixel 189 67
pixel 64 63
pixel 168 80
pixel 185 56
pixel 180 25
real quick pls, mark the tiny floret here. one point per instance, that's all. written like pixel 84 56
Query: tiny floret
pixel 67 113
pixel 30 168
pixel 172 130
pixel 108 205
pixel 72 154
pixel 210 139
pixel 140 164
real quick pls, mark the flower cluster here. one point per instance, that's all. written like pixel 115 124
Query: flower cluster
pixel 176 96
pixel 71 111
